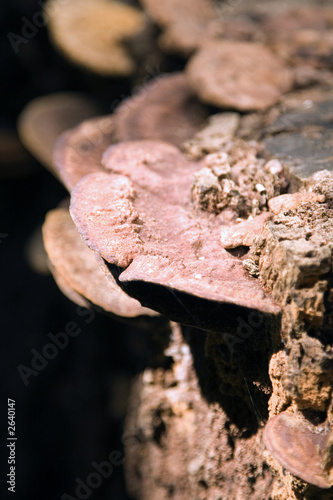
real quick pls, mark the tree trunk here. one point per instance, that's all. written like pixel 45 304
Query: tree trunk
pixel 181 443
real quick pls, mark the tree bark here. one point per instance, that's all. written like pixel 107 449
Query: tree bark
pixel 180 443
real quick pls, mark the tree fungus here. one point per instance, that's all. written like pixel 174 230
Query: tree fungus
pixel 45 118
pixel 177 209
pixel 92 33
pixel 77 266
pixel 165 109
pixel 239 75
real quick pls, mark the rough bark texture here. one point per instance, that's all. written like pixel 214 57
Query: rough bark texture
pixel 181 444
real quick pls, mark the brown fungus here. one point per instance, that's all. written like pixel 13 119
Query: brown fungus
pixel 91 33
pixel 66 288
pixel 43 120
pixel 77 269
pixel 184 24
pixel 79 151
pixel 303 449
pixel 35 253
pixel 165 109
pixel 240 75
pixel 141 220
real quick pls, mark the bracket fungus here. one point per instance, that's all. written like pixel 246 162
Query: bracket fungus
pixel 240 75
pixel 165 109
pixel 67 289
pixel 79 151
pixel 166 253
pixel 302 448
pixel 76 268
pixel 43 120
pixel 35 253
pixel 177 210
pixel 92 33
pixel 184 24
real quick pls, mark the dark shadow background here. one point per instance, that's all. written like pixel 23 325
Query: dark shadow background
pixel 71 413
